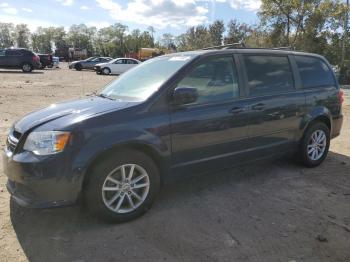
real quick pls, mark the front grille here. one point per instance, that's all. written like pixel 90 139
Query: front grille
pixel 12 140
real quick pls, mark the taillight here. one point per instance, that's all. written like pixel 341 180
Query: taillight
pixel 341 96
pixel 36 58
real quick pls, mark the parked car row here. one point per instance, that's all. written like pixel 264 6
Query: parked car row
pixel 105 65
pixel 21 58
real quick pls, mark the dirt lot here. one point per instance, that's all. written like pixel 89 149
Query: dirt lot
pixel 276 211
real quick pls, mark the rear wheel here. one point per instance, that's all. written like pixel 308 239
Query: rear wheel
pixel 315 145
pixel 122 187
pixel 106 71
pixel 27 68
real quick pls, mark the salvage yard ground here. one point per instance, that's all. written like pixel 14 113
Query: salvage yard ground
pixel 274 211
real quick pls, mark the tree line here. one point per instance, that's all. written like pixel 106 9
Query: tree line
pixel 310 25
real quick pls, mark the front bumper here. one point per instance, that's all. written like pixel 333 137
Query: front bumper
pixel 40 182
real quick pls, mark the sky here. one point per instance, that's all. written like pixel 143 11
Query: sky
pixel 166 16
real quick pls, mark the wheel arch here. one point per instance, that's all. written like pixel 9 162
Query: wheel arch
pixel 148 150
pixel 325 118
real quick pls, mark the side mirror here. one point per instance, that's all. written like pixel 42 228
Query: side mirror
pixel 184 95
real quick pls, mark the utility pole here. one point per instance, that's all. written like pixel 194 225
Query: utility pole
pixel 345 38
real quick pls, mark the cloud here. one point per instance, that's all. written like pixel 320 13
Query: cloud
pixel 7 9
pixel 84 7
pixel 32 23
pixel 66 2
pixel 28 10
pixel 158 13
pixel 250 5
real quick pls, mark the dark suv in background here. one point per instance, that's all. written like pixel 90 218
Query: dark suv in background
pixel 175 114
pixel 19 58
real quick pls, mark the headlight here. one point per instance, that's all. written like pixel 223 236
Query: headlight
pixel 47 142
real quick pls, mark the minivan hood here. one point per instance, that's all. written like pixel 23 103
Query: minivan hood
pixel 71 111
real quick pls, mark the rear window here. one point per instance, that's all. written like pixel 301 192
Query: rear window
pixel 268 74
pixel 314 72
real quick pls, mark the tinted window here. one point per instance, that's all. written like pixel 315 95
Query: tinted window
pixel 120 61
pixel 215 80
pixel 2 52
pixel 13 53
pixel 268 74
pixel 314 72
pixel 129 61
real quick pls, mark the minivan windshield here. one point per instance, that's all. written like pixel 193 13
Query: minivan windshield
pixel 145 79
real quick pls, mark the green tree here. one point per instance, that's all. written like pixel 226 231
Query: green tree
pixel 237 32
pixel 6 35
pixel 22 35
pixel 216 31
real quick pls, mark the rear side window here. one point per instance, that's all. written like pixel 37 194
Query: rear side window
pixel 314 72
pixel 129 61
pixel 13 53
pixel 268 74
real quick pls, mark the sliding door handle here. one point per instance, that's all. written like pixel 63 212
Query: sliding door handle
pixel 236 110
pixel 259 106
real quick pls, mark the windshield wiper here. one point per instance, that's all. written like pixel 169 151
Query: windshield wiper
pixel 105 96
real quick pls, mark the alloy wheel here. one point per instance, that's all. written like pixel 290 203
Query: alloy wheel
pixel 106 71
pixel 26 68
pixel 125 188
pixel 317 145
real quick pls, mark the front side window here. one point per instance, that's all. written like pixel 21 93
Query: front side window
pixel 268 74
pixel 314 72
pixel 140 82
pixel 214 79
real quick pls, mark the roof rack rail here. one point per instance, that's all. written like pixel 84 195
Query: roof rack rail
pixel 242 45
pixel 227 46
pixel 282 48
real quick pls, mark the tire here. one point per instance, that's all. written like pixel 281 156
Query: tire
pixel 311 152
pixel 105 204
pixel 27 68
pixel 78 67
pixel 106 71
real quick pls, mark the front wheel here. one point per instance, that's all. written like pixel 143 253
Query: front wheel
pixel 315 145
pixel 106 71
pixel 78 67
pixel 122 187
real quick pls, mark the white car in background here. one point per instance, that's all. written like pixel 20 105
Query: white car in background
pixel 116 66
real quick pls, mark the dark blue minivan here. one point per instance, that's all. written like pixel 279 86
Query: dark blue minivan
pixel 175 114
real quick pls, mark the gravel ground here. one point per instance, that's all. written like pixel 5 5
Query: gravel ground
pixel 272 211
